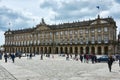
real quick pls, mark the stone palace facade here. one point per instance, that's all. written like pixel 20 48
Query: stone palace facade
pixel 96 36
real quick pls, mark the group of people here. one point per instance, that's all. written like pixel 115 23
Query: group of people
pixel 11 56
pixel 86 58
pixel 82 57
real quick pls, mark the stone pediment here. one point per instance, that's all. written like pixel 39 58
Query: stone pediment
pixel 42 27
pixel 100 21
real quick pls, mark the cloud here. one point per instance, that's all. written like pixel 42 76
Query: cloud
pixel 73 10
pixel 78 8
pixel 52 11
pixel 118 1
pixel 1 37
pixel 14 20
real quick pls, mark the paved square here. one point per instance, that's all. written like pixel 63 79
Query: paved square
pixel 59 69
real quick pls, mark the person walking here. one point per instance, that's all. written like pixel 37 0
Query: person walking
pixel 81 58
pixel 5 56
pixel 110 62
pixel 41 57
pixel 119 60
pixel 30 55
pixel 13 57
pixel 92 58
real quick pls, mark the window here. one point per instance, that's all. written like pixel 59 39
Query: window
pixel 75 32
pixel 93 39
pixel 50 33
pixel 21 42
pixel 81 31
pixel 38 41
pixel 99 39
pixel 92 30
pixel 105 29
pixel 87 39
pixel 81 40
pixel 31 42
pixel 99 29
pixel 24 42
pixel 70 32
pixel 86 31
pixel 38 35
pixel 61 33
pixel 34 41
pixel 27 42
pixel 65 32
pixel 35 36
pixel 105 38
pixel 30 35
pixel 56 33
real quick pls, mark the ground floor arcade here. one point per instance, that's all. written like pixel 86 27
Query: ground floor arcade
pixel 97 49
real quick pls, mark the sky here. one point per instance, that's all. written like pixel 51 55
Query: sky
pixel 21 14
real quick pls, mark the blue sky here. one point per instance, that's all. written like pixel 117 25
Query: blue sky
pixel 20 14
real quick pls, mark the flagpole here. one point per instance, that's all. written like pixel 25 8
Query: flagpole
pixel 98 7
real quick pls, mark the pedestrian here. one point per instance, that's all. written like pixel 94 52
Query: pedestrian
pixel 53 56
pixel 30 55
pixel 5 56
pixel 0 55
pixel 41 56
pixel 27 55
pixel 92 59
pixel 119 60
pixel 87 58
pixel 81 57
pixel 13 57
pixel 110 62
pixel 67 57
pixel 84 58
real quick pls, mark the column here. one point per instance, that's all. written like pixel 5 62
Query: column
pixel 73 48
pixel 103 51
pixel 68 48
pixel 47 49
pixel 84 50
pixel 64 49
pixel 59 50
pixel 78 50
pixel 39 50
pixel 90 50
pixel 96 51
pixel 43 50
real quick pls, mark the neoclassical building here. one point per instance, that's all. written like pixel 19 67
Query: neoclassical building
pixel 93 36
